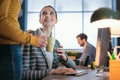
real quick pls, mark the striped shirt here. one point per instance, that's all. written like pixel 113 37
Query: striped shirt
pixel 35 61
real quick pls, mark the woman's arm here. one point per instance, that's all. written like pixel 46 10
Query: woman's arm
pixel 65 60
pixel 69 63
pixel 35 74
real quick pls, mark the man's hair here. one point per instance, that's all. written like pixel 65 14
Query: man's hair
pixel 82 36
pixel 50 7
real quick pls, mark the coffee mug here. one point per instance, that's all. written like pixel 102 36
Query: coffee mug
pixel 50 45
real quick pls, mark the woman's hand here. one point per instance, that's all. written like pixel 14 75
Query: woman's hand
pixel 60 52
pixel 62 71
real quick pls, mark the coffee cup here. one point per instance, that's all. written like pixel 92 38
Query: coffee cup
pixel 50 45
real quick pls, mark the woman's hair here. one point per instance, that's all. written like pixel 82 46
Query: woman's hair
pixel 50 7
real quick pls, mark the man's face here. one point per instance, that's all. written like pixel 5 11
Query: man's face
pixel 48 17
pixel 80 41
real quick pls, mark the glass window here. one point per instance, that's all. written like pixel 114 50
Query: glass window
pixel 67 28
pixel 68 5
pixel 33 21
pixel 36 5
pixel 91 32
pixel 73 18
pixel 95 4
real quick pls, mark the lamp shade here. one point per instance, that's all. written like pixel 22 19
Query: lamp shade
pixel 113 24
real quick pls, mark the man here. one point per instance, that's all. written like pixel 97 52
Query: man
pixel 89 50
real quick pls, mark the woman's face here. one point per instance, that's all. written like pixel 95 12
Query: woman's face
pixel 48 17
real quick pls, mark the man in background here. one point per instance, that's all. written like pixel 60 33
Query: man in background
pixel 89 50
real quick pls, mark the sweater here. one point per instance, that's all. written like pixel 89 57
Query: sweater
pixel 36 63
pixel 10 32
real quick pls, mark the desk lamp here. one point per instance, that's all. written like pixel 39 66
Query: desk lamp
pixel 103 20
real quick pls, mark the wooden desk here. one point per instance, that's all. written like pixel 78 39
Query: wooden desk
pixel 90 76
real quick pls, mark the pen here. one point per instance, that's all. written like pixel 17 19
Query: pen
pixel 117 56
pixel 113 56
pixel 109 55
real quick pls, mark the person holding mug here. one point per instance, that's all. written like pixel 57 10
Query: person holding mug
pixel 11 36
pixel 36 61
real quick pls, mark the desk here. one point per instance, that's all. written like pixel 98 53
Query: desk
pixel 91 75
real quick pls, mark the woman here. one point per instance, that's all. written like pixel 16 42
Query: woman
pixel 36 64
pixel 11 36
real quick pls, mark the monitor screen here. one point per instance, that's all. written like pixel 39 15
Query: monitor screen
pixel 102 46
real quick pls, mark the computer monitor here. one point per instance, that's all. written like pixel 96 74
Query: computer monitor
pixel 102 46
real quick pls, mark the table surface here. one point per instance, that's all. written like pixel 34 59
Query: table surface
pixel 91 75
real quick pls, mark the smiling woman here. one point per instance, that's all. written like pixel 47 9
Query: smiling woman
pixel 39 63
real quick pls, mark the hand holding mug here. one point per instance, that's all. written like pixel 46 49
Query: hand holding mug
pixel 60 52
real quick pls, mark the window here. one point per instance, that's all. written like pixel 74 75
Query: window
pixel 73 18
